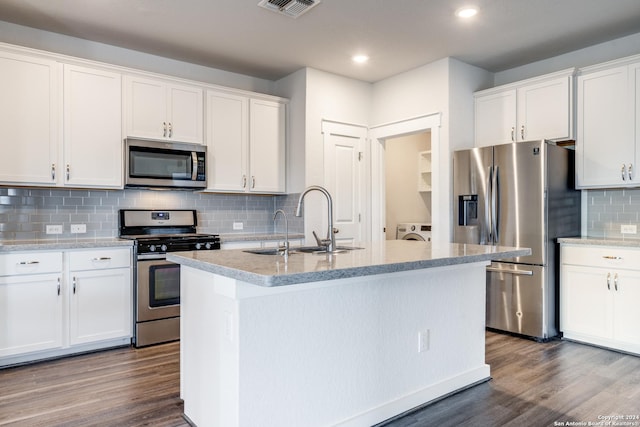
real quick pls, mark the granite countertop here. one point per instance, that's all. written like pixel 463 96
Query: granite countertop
pixel 60 244
pixel 374 258
pixel 600 241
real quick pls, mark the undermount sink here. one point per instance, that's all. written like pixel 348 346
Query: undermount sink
pixel 303 249
pixel 271 251
pixel 323 250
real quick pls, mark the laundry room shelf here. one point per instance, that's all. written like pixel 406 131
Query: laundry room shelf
pixel 424 171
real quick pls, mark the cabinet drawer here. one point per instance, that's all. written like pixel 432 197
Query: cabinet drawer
pixel 15 264
pixel 99 259
pixel 600 256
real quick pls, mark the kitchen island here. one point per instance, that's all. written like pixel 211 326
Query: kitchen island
pixel 348 339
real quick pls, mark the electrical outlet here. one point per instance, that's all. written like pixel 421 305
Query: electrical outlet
pixel 78 228
pixel 54 229
pixel 238 226
pixel 628 229
pixel 423 341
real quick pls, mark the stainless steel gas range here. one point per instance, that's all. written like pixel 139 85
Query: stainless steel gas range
pixel 157 284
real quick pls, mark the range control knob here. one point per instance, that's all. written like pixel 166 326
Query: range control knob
pixel 152 248
pixel 208 246
pixel 164 248
pixel 413 228
pixel 198 246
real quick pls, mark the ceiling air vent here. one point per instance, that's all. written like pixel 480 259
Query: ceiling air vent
pixel 292 8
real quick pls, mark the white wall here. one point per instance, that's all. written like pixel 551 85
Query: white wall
pixel 404 203
pixel 618 48
pixel 85 49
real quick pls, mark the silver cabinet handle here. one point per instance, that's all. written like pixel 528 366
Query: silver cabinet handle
pixel 253 182
pixel 623 171
pixel 102 258
pixel 612 257
pixel 28 262
pixel 58 286
pixel 615 281
pixel 68 172
pixel 513 133
pixel 53 171
pixel 630 171
pixel 609 281
pixel 522 132
pixel 510 271
pixel 170 130
pixel 74 284
pixel 244 181
pixel 164 129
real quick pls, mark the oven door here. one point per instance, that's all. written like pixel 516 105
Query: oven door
pixel 157 290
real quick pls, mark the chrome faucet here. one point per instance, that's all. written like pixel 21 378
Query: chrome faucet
pixel 330 241
pixel 285 251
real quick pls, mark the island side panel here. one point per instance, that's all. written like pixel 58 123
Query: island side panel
pixel 341 352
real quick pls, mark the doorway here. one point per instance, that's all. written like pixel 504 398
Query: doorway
pixel 408 181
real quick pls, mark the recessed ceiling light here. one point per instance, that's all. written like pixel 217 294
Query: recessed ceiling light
pixel 466 12
pixel 360 59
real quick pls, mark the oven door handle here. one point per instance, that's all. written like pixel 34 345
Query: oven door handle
pixel 151 257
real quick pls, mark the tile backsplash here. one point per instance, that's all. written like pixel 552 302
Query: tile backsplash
pixel 25 212
pixel 608 209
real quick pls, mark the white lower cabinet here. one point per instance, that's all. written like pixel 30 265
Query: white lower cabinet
pixel 599 296
pixel 100 299
pixel 64 302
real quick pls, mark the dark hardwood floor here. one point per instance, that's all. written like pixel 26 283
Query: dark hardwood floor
pixel 534 384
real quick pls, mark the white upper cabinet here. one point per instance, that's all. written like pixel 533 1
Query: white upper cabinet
pixel 539 108
pixel 160 109
pixel 246 140
pixel 92 128
pixel 29 117
pixel 607 118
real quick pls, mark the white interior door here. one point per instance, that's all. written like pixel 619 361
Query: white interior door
pixel 344 160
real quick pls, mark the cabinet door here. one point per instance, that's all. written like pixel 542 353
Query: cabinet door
pixel 626 290
pixel 544 110
pixel 92 128
pixel 495 121
pixel 185 114
pixel 586 302
pixel 267 138
pixel 100 305
pixel 29 117
pixel 227 141
pixel 605 144
pixel 31 313
pixel 145 108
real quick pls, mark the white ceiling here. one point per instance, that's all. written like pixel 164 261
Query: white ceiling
pixel 398 35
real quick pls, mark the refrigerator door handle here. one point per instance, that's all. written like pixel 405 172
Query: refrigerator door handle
pixel 495 202
pixel 510 271
pixel 488 204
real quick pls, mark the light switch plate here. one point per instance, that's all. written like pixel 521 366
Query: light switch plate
pixel 78 228
pixel 628 229
pixel 238 226
pixel 54 229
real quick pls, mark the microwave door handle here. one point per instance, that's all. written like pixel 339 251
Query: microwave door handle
pixel 194 166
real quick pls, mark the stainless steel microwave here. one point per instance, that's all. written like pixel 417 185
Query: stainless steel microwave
pixel 164 164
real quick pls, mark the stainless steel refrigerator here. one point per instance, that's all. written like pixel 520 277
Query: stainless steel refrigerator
pixel 520 194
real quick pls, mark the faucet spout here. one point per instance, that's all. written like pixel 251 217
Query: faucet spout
pixel 330 241
pixel 286 232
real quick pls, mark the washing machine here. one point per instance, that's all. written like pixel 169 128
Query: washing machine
pixel 413 231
